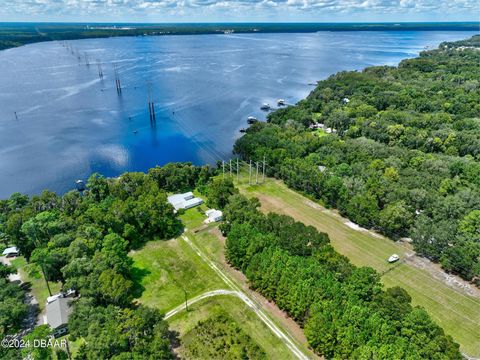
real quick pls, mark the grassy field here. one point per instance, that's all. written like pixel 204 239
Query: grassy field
pixel 164 269
pixel 35 279
pixel 185 321
pixel 456 312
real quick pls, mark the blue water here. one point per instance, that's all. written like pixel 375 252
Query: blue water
pixel 71 123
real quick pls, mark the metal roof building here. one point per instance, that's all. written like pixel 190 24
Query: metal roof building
pixel 184 201
pixel 11 251
pixel 58 312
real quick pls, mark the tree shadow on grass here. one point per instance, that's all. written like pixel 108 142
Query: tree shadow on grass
pixel 175 342
pixel 137 277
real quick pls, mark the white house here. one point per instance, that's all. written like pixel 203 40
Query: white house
pixel 184 201
pixel 213 216
pixel 10 252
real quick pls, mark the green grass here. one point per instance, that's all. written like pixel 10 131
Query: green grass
pixel 35 279
pixel 246 319
pixel 193 218
pixel 165 268
pixel 456 312
pixel 320 132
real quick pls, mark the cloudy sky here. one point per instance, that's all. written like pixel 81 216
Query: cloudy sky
pixel 239 10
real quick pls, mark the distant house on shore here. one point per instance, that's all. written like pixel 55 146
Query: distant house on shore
pixel 213 216
pixel 10 252
pixel 184 201
pixel 58 312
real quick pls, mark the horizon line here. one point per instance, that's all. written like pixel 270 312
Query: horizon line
pixel 243 22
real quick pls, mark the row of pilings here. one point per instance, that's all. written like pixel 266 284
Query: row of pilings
pixel 118 84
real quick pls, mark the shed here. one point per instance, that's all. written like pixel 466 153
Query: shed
pixel 213 216
pixel 11 252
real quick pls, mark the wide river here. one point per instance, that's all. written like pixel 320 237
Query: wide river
pixel 59 121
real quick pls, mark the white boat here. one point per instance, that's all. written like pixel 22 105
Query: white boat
pixel 280 102
pixel 265 106
pixel 251 119
pixel 393 258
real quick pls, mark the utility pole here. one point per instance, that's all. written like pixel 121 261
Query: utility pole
pixel 230 167
pixel 263 176
pixel 223 169
pixel 186 301
pixel 100 70
pixel 42 268
pixel 117 80
pixel 256 177
pixel 250 173
pixel 237 170
pixel 45 277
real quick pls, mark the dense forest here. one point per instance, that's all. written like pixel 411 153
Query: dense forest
pixel 82 241
pixel 396 149
pixel 343 309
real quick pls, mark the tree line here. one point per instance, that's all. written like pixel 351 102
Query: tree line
pixel 405 158
pixel 343 309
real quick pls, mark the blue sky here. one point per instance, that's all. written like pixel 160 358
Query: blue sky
pixel 239 10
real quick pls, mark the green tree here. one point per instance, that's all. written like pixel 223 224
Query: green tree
pixel 218 192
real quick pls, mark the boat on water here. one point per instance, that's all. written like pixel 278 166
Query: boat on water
pixel 265 106
pixel 80 185
pixel 280 102
pixel 251 120
pixel 393 258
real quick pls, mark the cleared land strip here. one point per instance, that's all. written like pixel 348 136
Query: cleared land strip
pixel 249 302
pixel 453 308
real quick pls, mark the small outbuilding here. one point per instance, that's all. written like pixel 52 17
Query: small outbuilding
pixel 11 252
pixel 58 311
pixel 184 201
pixel 213 216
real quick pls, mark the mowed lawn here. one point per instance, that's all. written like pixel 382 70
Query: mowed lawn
pixel 246 319
pixel 456 312
pixel 167 268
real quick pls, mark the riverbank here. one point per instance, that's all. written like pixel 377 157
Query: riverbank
pixel 18 34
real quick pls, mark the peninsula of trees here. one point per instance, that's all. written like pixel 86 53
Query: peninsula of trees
pixel 396 149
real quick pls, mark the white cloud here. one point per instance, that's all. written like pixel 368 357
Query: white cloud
pixel 208 9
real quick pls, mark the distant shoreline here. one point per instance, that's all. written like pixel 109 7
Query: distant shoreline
pixel 18 34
